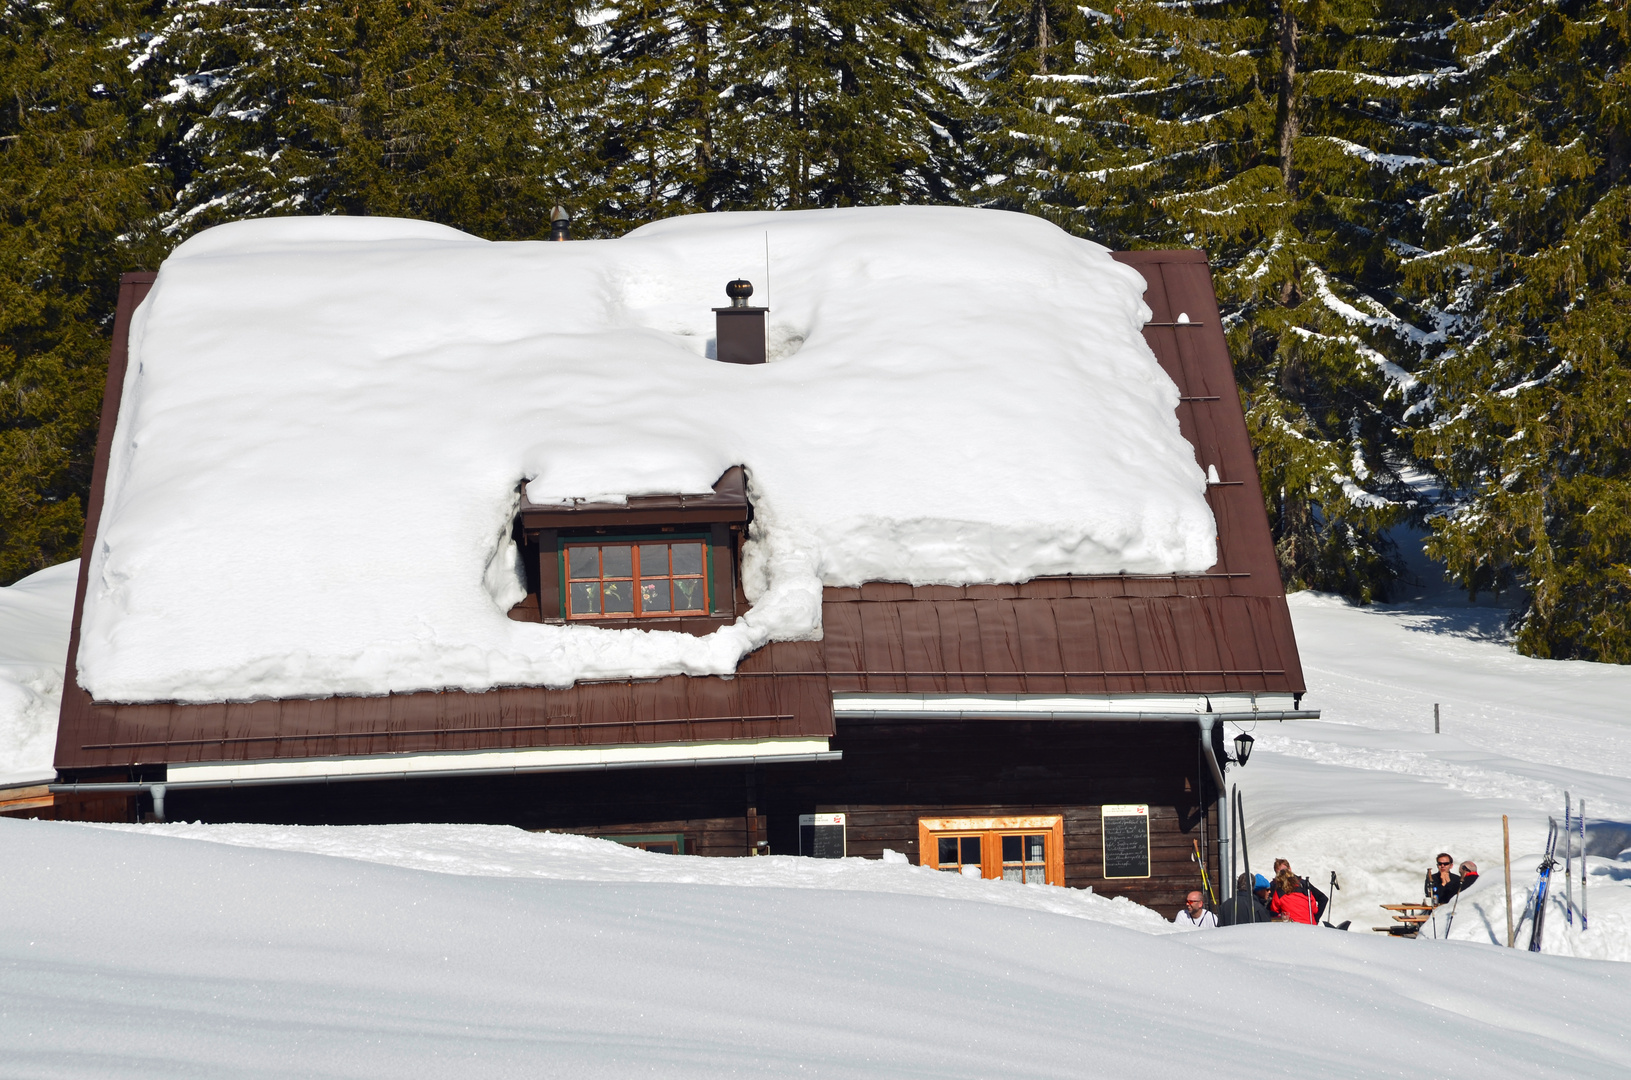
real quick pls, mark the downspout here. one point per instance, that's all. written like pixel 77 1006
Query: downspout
pixel 1225 888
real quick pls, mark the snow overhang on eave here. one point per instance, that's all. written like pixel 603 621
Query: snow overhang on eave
pixel 1237 707
pixel 471 763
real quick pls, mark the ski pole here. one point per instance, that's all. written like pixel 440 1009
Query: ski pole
pixel 1582 816
pixel 1205 884
pixel 1234 830
pixel 1449 920
pixel 1568 862
pixel 1332 900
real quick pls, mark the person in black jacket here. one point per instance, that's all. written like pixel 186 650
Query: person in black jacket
pixel 1442 884
pixel 1242 907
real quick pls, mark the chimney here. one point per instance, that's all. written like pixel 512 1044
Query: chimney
pixel 560 224
pixel 740 329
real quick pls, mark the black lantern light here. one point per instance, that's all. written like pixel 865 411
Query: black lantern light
pixel 1243 747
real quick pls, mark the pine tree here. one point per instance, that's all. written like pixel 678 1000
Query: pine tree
pixel 783 104
pixel 467 112
pixel 1528 233
pixel 1287 140
pixel 671 93
pixel 74 193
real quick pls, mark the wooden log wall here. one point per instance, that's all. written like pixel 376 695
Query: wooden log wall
pixel 891 775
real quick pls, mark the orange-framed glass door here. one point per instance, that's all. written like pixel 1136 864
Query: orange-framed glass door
pixel 1026 848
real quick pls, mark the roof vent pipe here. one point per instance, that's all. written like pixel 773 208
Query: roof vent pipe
pixel 560 224
pixel 740 329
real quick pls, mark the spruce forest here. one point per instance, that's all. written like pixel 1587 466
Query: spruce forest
pixel 1418 214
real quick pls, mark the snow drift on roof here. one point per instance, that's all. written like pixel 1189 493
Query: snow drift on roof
pixel 325 420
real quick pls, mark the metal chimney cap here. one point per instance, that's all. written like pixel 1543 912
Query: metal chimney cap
pixel 739 291
pixel 560 213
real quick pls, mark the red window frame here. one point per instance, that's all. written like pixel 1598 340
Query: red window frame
pixel 637 573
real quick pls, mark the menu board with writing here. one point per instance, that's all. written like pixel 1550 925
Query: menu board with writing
pixel 822 836
pixel 1126 831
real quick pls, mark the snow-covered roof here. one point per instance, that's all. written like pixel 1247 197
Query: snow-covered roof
pixel 324 421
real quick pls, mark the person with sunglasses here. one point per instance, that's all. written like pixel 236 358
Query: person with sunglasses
pixel 1443 883
pixel 1194 913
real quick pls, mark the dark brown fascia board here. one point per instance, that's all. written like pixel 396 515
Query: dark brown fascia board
pixel 133 289
pixel 727 503
pixel 535 521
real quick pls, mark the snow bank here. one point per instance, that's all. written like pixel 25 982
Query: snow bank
pixel 35 614
pixel 153 956
pixel 503 851
pixel 325 420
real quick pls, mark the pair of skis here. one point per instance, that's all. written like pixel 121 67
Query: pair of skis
pixel 1538 926
pixel 1571 822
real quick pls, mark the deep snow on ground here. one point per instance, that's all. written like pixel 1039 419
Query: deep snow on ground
pixel 34 617
pixel 348 372
pixel 245 950
pixel 164 956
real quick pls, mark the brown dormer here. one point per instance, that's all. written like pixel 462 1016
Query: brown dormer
pixel 657 562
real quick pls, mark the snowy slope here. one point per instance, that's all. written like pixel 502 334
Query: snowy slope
pixel 325 422
pixel 34 618
pixel 1372 793
pixel 150 955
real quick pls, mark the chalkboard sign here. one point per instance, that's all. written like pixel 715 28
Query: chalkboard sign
pixel 821 836
pixel 1126 830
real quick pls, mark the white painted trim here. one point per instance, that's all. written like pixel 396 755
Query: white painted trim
pixel 1063 704
pixel 573 757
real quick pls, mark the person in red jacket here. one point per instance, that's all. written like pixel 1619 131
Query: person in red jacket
pixel 1294 898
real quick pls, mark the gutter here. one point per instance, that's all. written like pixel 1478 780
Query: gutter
pixel 1224 839
pixel 159 788
pixel 1011 714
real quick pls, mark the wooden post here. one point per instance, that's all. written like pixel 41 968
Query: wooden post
pixel 1506 853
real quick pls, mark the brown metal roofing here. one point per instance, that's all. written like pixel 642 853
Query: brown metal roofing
pixel 1226 630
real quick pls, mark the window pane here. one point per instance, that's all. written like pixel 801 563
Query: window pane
pixel 1013 850
pixel 1033 849
pixel 653 560
pixel 1013 873
pixel 971 850
pixel 653 594
pixel 948 850
pixel 688 594
pixel 619 596
pixel 584 562
pixel 618 561
pixel 687 558
pixel 585 597
pixel 1034 875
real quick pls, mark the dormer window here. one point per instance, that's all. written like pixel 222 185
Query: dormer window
pixel 664 562
pixel 644 579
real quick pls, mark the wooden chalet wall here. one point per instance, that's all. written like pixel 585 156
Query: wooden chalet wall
pixel 891 775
